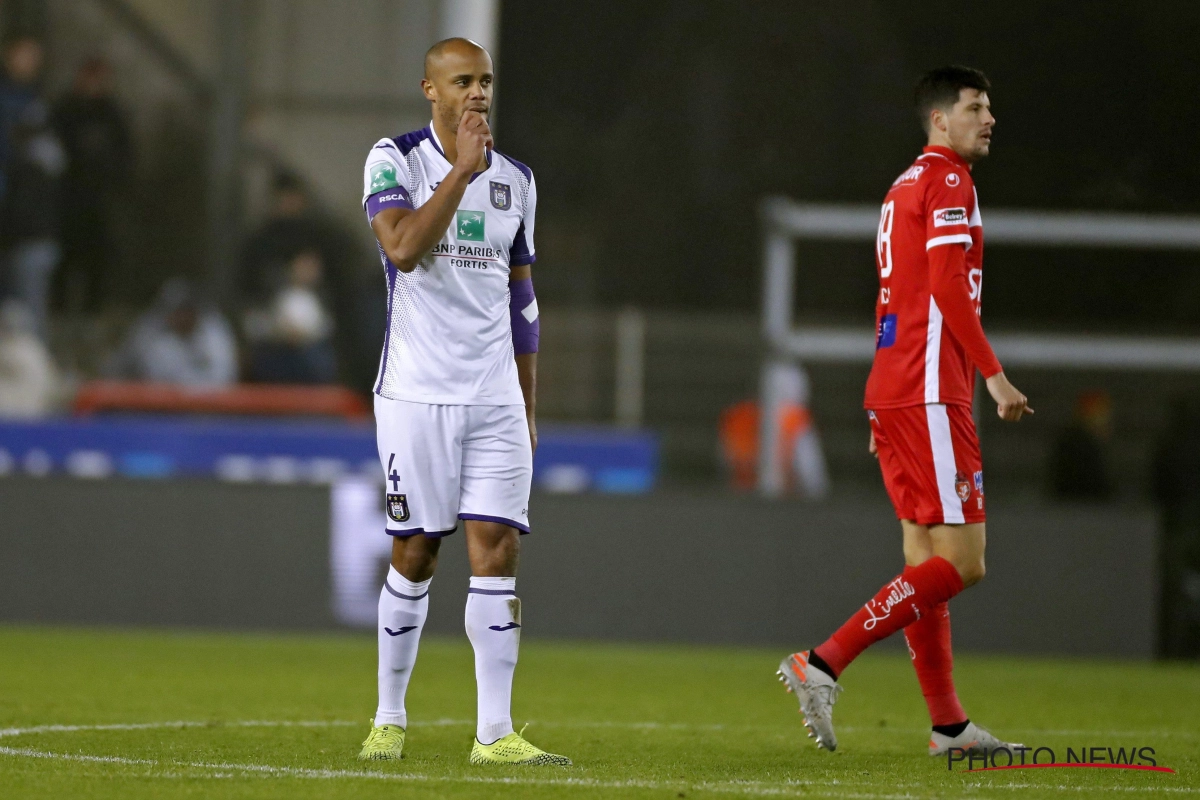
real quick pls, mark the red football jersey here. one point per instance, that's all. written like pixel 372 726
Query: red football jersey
pixel 928 335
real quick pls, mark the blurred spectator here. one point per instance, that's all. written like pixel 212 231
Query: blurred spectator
pixel 31 163
pixel 181 340
pixel 28 378
pixel 95 134
pixel 18 90
pixel 1079 465
pixel 292 227
pixel 1177 491
pixel 799 445
pixel 292 337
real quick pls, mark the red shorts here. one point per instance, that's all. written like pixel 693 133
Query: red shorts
pixel 930 460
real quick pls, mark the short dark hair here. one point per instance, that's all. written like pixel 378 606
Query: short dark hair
pixel 939 88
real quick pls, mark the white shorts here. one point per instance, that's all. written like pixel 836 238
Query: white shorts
pixel 446 463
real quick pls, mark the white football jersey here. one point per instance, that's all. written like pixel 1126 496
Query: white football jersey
pixel 449 337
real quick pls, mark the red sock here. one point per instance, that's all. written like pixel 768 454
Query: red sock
pixel 929 645
pixel 901 602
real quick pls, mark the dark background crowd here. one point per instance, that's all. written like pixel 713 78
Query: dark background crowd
pixel 67 225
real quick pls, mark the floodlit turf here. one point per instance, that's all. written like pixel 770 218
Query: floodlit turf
pixel 282 716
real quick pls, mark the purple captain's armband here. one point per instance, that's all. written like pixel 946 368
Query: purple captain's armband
pixel 522 308
pixel 396 197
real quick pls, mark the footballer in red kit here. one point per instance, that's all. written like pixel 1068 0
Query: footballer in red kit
pixel 929 342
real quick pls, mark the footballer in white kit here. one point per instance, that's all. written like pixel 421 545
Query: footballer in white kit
pixel 448 405
pixel 455 391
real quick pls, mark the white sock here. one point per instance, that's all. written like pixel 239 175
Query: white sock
pixel 403 606
pixel 494 628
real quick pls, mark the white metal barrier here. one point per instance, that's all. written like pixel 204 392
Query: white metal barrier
pixel 785 221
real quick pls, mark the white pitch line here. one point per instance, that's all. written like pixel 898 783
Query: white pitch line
pixel 29 752
pixel 136 726
pixel 446 722
pixel 788 788
pixel 784 788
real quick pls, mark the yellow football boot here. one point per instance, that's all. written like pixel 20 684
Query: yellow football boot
pixel 513 749
pixel 384 743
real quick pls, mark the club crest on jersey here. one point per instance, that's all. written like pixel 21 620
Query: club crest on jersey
pixel 397 507
pixel 469 226
pixel 501 195
pixel 962 487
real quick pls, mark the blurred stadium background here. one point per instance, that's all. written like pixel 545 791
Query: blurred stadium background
pixel 193 310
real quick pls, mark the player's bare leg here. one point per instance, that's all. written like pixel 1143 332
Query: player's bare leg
pixel 403 607
pixel 493 548
pixel 493 621
pixel 961 545
pixel 415 557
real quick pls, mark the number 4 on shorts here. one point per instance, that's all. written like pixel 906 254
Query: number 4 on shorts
pixel 393 476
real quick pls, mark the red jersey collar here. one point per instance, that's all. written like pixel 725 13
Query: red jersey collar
pixel 954 157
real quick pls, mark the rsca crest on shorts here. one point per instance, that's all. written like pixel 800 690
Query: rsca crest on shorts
pixel 963 487
pixel 383 177
pixel 469 226
pixel 397 507
pixel 501 195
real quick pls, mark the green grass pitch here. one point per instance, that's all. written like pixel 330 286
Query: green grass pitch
pixel 281 716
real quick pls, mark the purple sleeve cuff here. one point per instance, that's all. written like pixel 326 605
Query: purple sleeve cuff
pixel 396 197
pixel 518 254
pixel 523 311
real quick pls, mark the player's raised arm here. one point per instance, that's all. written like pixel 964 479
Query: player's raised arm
pixel 405 234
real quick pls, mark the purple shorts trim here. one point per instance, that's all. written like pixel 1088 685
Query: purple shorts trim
pixel 415 531
pixel 512 523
